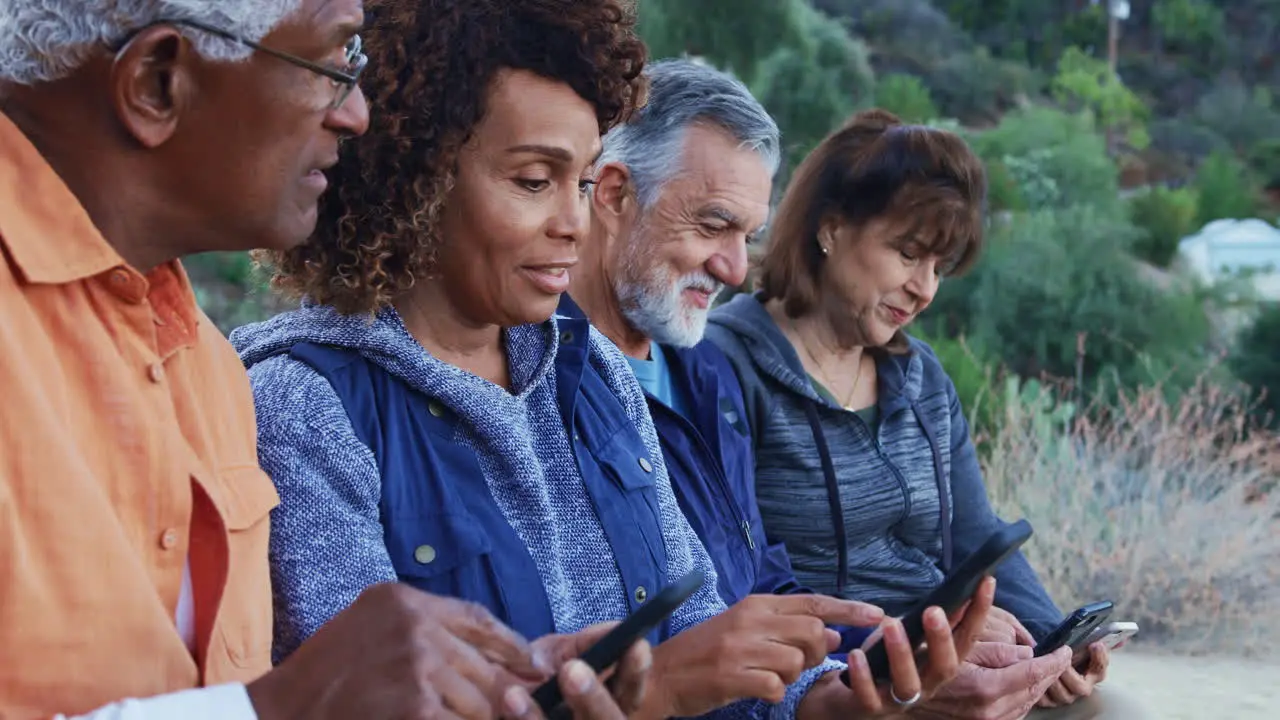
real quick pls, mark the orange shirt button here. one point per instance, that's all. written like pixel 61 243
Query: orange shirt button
pixel 155 373
pixel 120 278
pixel 169 539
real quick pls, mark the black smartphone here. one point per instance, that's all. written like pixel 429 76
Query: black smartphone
pixel 608 650
pixel 1076 628
pixel 954 591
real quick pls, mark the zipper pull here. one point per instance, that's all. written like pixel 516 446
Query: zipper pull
pixel 746 531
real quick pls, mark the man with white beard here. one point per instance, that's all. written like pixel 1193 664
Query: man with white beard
pixel 679 191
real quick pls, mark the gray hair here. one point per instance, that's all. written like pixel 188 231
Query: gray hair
pixel 44 40
pixel 683 93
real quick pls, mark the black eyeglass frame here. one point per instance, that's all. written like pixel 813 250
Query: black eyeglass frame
pixel 346 81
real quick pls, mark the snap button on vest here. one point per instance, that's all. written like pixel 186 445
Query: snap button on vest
pixel 424 554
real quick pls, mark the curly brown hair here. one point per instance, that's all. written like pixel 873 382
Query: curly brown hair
pixel 431 64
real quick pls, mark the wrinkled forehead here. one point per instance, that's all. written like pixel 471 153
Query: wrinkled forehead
pixel 719 177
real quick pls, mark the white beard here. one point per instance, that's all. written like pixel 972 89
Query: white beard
pixel 652 299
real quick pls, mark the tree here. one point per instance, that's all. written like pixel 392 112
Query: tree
pixel 1190 26
pixel 907 97
pixel 731 34
pixel 812 87
pixel 1226 189
pixel 1244 117
pixel 1256 361
pixel 1045 145
pixel 1046 277
pixel 805 67
pixel 1167 216
pixel 1085 82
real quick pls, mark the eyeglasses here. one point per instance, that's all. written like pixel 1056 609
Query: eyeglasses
pixel 344 79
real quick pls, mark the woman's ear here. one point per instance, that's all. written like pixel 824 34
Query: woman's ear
pixel 828 231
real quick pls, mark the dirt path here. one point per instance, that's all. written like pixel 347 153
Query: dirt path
pixel 1178 688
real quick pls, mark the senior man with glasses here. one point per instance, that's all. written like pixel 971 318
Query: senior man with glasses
pixel 133 516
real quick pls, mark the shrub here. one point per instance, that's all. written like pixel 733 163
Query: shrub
pixel 806 102
pixel 1265 160
pixel 911 30
pixel 1003 191
pixel 906 97
pixel 976 87
pixel 231 290
pixel 1048 277
pixel 1185 139
pixel 1166 216
pixel 1086 82
pixel 1257 363
pixel 974 374
pixel 731 34
pixel 1168 509
pixel 1065 148
pixel 836 51
pixel 1169 87
pixel 1226 189
pixel 1039 190
pixel 1242 116
pixel 811 89
pixel 1191 26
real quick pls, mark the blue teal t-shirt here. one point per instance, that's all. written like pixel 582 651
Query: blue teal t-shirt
pixel 655 377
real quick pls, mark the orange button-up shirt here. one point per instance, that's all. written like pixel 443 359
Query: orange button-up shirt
pixel 127 446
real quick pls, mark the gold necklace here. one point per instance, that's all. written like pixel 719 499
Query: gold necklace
pixel 857 377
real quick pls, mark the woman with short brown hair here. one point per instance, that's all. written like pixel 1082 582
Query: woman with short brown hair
pixel 859 435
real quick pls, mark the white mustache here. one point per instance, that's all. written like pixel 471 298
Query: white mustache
pixel 702 282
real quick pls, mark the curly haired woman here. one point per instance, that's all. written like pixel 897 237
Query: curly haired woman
pixel 425 417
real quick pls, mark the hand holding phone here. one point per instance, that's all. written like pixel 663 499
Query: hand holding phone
pixel 1074 631
pixel 954 591
pixel 1112 636
pixel 610 649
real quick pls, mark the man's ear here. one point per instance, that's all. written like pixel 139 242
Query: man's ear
pixel 613 200
pixel 613 192
pixel 151 84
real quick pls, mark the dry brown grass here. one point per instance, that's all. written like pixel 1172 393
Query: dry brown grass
pixel 1170 510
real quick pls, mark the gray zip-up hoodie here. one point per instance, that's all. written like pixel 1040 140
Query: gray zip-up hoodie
pixel 911 494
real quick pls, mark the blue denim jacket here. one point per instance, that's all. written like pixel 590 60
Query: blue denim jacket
pixel 710 460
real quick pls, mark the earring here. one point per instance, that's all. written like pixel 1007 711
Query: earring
pixel 823 243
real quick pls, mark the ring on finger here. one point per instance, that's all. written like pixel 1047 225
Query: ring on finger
pixel 904 703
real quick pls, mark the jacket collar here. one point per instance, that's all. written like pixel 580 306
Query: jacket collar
pixel 899 380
